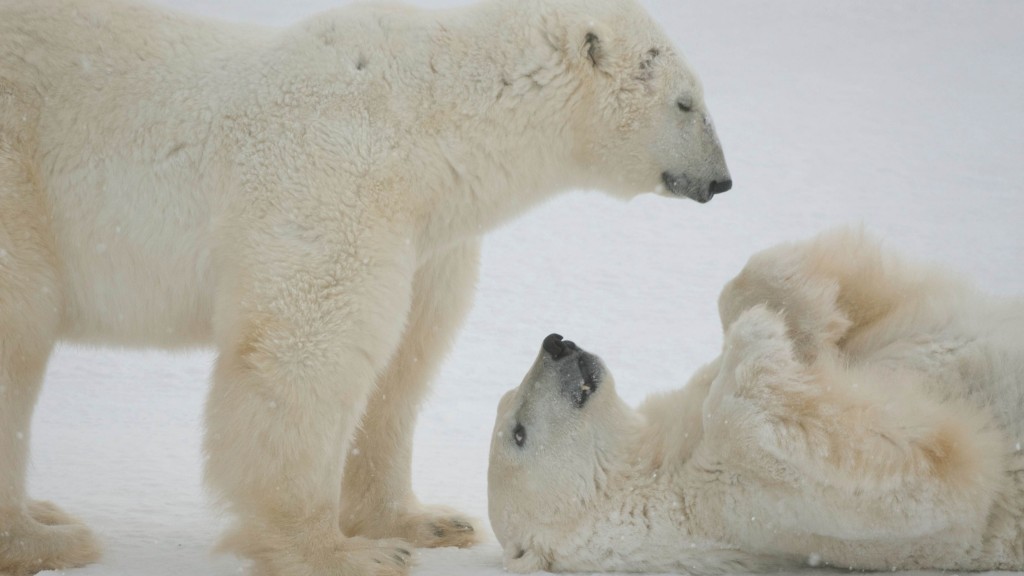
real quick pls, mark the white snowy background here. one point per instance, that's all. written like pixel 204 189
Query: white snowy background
pixel 906 116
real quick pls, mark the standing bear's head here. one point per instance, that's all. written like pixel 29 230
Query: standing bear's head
pixel 638 117
pixel 557 439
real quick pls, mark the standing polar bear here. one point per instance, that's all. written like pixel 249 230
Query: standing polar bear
pixel 309 201
pixel 864 413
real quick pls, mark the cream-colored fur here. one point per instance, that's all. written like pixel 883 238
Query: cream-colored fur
pixel 865 413
pixel 309 201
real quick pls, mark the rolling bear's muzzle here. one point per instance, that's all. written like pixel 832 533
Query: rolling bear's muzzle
pixel 578 371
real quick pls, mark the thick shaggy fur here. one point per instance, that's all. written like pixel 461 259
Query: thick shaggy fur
pixel 865 413
pixel 310 202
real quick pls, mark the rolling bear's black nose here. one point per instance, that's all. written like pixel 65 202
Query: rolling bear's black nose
pixel 719 186
pixel 557 347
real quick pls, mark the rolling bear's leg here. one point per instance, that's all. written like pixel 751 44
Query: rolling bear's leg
pixel 848 454
pixel 829 288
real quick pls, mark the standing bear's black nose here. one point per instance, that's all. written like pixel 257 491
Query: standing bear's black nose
pixel 557 347
pixel 719 186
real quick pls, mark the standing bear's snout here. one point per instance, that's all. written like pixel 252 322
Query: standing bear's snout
pixel 719 186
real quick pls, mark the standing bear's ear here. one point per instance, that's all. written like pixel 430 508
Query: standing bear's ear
pixel 592 45
pixel 588 44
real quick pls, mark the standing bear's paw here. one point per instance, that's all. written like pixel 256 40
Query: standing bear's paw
pixel 319 553
pixel 43 537
pixel 424 527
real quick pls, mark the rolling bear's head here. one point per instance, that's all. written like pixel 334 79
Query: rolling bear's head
pixel 555 436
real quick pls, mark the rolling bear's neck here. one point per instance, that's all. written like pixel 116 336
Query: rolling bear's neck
pixel 659 509
pixel 661 519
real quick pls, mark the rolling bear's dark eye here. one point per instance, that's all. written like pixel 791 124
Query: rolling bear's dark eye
pixel 685 104
pixel 519 435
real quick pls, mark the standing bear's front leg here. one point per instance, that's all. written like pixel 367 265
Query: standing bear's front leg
pixel 377 497
pixel 303 329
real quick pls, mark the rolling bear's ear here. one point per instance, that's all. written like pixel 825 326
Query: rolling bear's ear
pixel 592 44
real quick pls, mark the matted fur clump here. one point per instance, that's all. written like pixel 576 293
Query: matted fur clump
pixel 864 413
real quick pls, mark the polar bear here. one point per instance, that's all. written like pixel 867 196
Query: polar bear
pixel 864 413
pixel 309 201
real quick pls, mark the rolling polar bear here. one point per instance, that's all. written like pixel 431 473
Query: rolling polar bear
pixel 865 413
pixel 309 201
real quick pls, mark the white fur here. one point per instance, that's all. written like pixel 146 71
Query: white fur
pixel 310 202
pixel 865 413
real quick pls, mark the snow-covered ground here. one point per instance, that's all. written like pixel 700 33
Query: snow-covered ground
pixel 906 116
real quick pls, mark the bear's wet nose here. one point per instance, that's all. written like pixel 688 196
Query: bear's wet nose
pixel 719 186
pixel 558 347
